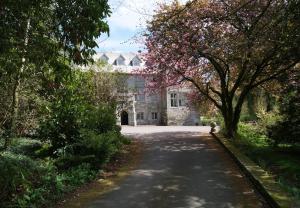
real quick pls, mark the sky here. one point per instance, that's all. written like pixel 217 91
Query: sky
pixel 127 21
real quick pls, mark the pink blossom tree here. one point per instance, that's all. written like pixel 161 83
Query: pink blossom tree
pixel 223 48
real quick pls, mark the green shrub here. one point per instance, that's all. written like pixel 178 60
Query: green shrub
pixel 68 96
pixel 206 121
pixel 100 118
pixel 62 126
pixel 78 175
pixel 25 146
pixel 247 118
pixel 249 134
pixel 287 131
pixel 267 119
pixel 103 146
pixel 69 161
pixel 282 160
pixel 25 182
pixel 18 174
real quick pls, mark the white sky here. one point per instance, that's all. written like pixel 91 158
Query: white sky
pixel 128 19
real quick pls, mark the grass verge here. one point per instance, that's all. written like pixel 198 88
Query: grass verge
pixel 282 161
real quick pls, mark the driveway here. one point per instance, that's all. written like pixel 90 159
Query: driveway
pixel 181 167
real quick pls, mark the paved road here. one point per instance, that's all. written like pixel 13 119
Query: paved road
pixel 180 168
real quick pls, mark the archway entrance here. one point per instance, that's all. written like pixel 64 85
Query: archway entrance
pixel 124 118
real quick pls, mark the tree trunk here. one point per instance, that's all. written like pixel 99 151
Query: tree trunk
pixel 251 105
pixel 15 94
pixel 269 101
pixel 231 127
pixel 231 117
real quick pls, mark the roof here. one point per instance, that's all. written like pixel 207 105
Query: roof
pixel 128 57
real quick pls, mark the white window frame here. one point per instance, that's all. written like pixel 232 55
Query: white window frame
pixel 174 100
pixel 181 100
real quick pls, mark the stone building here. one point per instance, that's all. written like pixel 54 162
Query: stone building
pixel 137 107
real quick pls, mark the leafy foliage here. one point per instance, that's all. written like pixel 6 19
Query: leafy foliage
pixel 283 161
pixel 101 118
pixel 48 96
pixel 36 37
pixel 267 119
pixel 27 182
pixel 288 130
pixel 103 146
pixel 65 108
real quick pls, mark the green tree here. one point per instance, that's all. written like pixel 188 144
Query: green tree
pixel 36 35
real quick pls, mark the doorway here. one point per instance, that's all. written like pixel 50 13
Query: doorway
pixel 124 118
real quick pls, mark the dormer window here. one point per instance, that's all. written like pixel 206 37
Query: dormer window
pixel 135 61
pixel 119 61
pixel 104 58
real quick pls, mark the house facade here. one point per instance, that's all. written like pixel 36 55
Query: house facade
pixel 168 106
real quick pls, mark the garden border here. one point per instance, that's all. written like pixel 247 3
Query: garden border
pixel 264 182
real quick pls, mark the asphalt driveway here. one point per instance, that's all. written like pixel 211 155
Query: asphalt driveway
pixel 182 167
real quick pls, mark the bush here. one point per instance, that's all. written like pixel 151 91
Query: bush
pixel 206 121
pixel 25 146
pixel 103 146
pixel 288 129
pixel 68 103
pixel 285 132
pixel 247 118
pixel 31 183
pixel 68 116
pixel 249 134
pixel 62 127
pixel 18 174
pixel 267 119
pixel 101 118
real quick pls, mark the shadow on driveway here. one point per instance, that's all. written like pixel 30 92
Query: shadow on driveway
pixel 181 170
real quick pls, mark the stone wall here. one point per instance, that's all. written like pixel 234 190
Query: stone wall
pixel 181 115
pixel 159 103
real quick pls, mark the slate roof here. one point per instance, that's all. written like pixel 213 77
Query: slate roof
pixel 128 57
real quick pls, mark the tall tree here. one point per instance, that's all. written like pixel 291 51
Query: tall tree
pixel 223 48
pixel 38 34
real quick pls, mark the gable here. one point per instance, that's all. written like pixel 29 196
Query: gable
pixel 104 58
pixel 136 61
pixel 119 61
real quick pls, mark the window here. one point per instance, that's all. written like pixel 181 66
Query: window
pixel 104 58
pixel 153 98
pixel 154 115
pixel 140 116
pixel 119 61
pixel 139 97
pixel 174 100
pixel 182 100
pixel 135 61
pixel 139 83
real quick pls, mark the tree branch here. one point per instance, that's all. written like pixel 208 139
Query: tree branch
pixel 206 94
pixel 273 76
